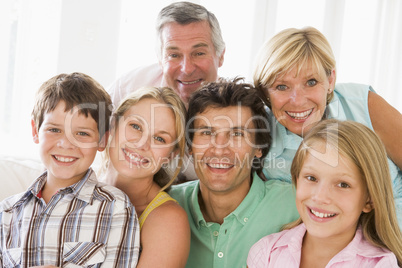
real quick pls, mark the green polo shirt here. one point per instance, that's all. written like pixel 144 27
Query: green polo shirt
pixel 267 206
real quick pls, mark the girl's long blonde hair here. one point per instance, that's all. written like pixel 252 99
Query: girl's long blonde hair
pixel 362 146
pixel 165 95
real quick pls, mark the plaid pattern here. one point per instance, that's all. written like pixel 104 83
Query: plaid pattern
pixel 88 224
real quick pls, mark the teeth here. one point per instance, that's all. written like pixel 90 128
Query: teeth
pixel 322 215
pixel 64 159
pixel 191 83
pixel 219 165
pixel 300 116
pixel 133 157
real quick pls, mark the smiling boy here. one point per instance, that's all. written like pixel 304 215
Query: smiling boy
pixel 67 218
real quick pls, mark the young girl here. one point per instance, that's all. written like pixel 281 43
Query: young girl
pixel 147 133
pixel 345 201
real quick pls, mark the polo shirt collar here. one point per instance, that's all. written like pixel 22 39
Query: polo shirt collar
pixel 242 213
pixel 195 209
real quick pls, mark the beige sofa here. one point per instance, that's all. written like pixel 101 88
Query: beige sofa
pixel 17 174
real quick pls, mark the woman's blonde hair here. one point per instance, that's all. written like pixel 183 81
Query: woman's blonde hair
pixel 362 146
pixel 292 48
pixel 165 95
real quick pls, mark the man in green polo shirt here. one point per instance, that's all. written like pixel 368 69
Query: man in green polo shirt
pixel 230 207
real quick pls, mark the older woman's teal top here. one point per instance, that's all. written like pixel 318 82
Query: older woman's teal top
pixel 350 102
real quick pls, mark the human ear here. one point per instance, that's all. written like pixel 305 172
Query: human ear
pixel 103 142
pixel 35 135
pixel 331 80
pixel 368 206
pixel 221 58
pixel 258 153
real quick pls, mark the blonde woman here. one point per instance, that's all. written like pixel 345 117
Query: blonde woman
pixel 147 134
pixel 296 73
pixel 344 198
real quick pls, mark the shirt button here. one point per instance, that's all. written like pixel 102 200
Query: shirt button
pixel 220 254
pixel 216 233
pixel 245 219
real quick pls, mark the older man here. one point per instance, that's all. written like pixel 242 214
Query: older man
pixel 230 207
pixel 190 51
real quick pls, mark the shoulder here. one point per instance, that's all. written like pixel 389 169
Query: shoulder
pixel 269 241
pixel 9 202
pixel 261 251
pixel 140 76
pixel 108 193
pixel 279 187
pixel 166 232
pixel 368 253
pixel 169 213
pixel 182 192
pixel 348 88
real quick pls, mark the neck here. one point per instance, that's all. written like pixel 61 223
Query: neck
pixel 215 206
pixel 141 191
pixel 53 185
pixel 313 246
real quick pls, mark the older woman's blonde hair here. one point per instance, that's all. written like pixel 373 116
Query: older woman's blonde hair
pixel 292 48
pixel 362 146
pixel 164 95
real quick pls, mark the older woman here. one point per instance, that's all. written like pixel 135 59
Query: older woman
pixel 296 74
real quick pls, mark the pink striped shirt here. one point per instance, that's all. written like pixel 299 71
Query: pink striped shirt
pixel 284 250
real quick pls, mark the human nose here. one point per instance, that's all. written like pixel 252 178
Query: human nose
pixel 143 143
pixel 187 65
pixel 322 194
pixel 65 142
pixel 297 95
pixel 221 143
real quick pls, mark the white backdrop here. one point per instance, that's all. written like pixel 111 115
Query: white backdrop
pixel 106 38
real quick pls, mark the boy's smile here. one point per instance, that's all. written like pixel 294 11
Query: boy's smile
pixel 68 144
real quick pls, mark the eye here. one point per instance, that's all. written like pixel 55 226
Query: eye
pixel 344 185
pixel 173 56
pixel 206 132
pixel 81 133
pixel 237 134
pixel 200 53
pixel 54 130
pixel 281 87
pixel 159 139
pixel 311 82
pixel 136 126
pixel 311 178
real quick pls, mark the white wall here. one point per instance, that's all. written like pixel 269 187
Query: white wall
pixel 106 38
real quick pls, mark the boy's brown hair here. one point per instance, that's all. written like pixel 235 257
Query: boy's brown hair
pixel 75 89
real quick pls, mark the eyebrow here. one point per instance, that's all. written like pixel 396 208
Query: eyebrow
pixel 195 46
pixel 51 124
pixel 159 132
pixel 231 128
pixel 87 128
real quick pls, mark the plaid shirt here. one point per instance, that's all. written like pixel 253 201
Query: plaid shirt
pixel 87 224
